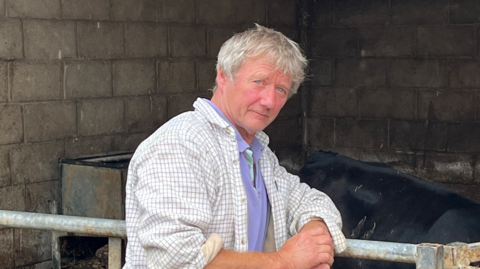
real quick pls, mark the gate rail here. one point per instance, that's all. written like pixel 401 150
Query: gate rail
pixel 62 225
pixel 425 256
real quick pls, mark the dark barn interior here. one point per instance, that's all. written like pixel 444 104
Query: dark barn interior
pixel 391 81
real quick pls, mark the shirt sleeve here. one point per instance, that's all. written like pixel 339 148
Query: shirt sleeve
pixel 174 208
pixel 306 204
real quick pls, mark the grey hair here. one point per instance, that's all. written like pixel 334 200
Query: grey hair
pixel 284 52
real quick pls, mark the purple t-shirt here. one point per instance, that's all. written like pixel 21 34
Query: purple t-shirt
pixel 257 200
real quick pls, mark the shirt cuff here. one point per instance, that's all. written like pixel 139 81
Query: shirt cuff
pixel 338 238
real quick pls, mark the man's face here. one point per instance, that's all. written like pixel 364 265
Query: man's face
pixel 256 95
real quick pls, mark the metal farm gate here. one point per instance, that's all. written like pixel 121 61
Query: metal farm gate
pixel 425 256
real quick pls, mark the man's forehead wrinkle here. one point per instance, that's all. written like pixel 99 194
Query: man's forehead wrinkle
pixel 258 70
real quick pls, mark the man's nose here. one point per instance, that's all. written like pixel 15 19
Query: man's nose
pixel 268 97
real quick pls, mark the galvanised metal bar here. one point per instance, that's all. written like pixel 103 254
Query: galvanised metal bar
pixel 361 249
pixel 63 223
pixel 378 250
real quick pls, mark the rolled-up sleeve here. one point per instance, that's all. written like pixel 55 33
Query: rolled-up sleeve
pixel 306 204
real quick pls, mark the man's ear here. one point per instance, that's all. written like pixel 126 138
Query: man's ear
pixel 222 79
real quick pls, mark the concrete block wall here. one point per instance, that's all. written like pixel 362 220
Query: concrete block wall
pixel 397 81
pixel 89 77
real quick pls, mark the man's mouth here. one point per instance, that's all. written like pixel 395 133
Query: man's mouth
pixel 260 114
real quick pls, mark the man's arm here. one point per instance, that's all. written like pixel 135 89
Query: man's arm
pixel 311 248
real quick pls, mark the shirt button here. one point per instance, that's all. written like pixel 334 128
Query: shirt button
pixel 244 241
pixel 242 200
pixel 235 162
pixel 228 131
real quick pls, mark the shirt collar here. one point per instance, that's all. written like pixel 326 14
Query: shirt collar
pixel 256 146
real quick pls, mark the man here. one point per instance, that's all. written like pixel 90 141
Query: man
pixel 205 191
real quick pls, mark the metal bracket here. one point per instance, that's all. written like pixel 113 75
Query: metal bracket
pixel 455 255
pixel 474 252
pixel 460 255
pixel 429 256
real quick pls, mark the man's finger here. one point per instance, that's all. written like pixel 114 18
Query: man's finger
pixel 325 257
pixel 322 266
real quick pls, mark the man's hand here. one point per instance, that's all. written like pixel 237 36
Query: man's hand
pixel 311 248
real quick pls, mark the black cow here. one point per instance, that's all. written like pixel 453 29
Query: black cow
pixel 383 204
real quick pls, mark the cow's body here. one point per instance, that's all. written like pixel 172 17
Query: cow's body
pixel 380 203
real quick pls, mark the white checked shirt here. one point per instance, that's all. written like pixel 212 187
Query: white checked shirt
pixel 184 183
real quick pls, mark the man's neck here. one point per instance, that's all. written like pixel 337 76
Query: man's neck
pixel 216 100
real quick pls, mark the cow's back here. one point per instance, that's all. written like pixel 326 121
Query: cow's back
pixel 383 204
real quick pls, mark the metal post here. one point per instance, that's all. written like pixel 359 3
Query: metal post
pixel 114 253
pixel 56 255
pixel 429 256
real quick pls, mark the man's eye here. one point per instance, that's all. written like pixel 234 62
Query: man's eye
pixel 258 82
pixel 281 90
